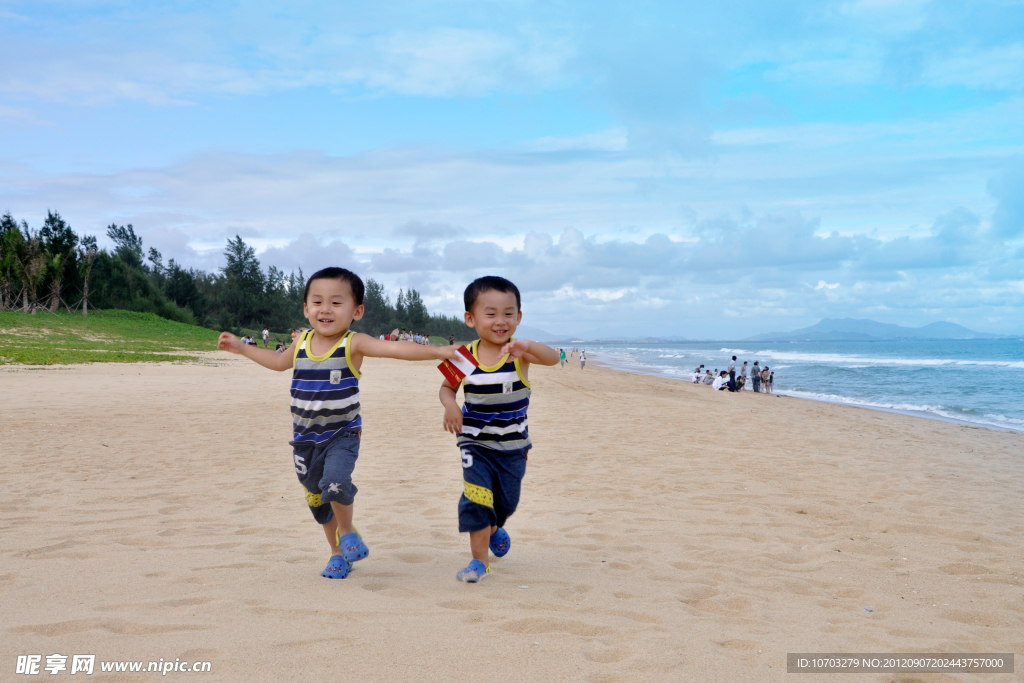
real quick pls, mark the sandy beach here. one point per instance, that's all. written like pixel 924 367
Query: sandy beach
pixel 666 532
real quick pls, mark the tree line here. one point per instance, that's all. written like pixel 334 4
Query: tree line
pixel 52 268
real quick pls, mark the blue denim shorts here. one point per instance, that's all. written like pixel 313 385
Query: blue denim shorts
pixel 491 485
pixel 325 472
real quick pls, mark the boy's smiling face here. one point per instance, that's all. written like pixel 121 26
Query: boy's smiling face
pixel 495 316
pixel 330 307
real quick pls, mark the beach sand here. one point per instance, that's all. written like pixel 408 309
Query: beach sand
pixel 666 532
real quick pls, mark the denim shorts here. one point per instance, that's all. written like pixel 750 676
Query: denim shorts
pixel 325 472
pixel 491 485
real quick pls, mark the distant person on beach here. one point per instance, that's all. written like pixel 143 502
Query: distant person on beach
pixel 765 374
pixel 561 357
pixel 451 340
pixel 326 419
pixel 755 374
pixel 721 382
pixel 743 374
pixel 771 383
pixel 492 425
pixel 266 337
pixel 583 359
pixel 709 378
pixel 732 374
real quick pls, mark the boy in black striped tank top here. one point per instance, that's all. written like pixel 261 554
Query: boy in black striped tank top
pixel 492 428
pixel 326 419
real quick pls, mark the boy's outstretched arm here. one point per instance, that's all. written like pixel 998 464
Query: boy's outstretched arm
pixel 265 357
pixel 531 352
pixel 452 412
pixel 365 345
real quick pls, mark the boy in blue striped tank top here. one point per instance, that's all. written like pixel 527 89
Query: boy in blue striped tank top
pixel 326 420
pixel 491 426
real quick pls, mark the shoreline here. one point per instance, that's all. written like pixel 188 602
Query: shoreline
pixel 594 356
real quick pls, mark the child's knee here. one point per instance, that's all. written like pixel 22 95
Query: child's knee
pixel 474 516
pixel 336 481
pixel 341 491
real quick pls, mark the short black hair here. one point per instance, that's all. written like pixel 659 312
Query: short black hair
pixel 734 357
pixel 489 283
pixel 343 274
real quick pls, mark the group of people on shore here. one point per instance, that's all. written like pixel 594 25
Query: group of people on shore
pixel 732 380
pixel 572 352
pixel 407 336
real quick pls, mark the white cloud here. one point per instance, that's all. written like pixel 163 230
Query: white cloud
pixel 995 68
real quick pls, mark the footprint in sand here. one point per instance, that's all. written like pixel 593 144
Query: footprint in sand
pixel 464 605
pixel 696 594
pixel 237 565
pixel 572 591
pixel 63 628
pixel 963 568
pixel 686 566
pixel 186 602
pixel 605 655
pixel 7 580
pixel 545 625
pixel 414 558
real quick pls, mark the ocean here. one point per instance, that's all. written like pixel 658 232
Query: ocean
pixel 975 381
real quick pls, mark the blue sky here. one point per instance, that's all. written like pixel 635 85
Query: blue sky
pixel 650 168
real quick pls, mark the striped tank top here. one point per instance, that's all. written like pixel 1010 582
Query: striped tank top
pixel 325 391
pixel 494 413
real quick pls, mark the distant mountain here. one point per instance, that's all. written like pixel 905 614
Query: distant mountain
pixel 661 340
pixel 536 334
pixel 849 329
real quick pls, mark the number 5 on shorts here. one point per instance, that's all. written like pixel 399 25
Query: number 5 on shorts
pixel 467 459
pixel 300 467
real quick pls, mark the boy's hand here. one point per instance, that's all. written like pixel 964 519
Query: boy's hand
pixel 531 352
pixel 449 352
pixel 516 348
pixel 452 419
pixel 229 342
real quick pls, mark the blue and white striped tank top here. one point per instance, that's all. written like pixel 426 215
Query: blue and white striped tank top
pixel 494 414
pixel 325 391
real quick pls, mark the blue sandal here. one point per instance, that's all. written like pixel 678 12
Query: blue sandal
pixel 337 568
pixel 473 572
pixel 500 543
pixel 352 547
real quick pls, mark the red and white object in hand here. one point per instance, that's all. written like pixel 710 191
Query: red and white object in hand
pixel 456 369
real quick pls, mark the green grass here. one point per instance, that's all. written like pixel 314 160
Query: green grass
pixel 103 337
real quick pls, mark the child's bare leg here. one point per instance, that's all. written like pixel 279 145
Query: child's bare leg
pixel 343 517
pixel 330 530
pixel 479 543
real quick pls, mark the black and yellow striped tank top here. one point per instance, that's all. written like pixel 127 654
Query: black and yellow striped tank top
pixel 325 391
pixel 494 414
